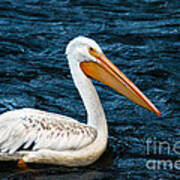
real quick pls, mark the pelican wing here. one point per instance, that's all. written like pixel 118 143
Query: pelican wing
pixel 30 129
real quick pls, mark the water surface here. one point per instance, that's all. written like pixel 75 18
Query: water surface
pixel 142 37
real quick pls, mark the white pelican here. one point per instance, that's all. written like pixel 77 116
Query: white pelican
pixel 32 135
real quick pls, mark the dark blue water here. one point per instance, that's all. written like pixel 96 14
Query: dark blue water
pixel 142 37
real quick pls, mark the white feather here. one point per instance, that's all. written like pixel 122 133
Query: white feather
pixel 46 130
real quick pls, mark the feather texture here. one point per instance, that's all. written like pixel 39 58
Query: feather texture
pixel 23 128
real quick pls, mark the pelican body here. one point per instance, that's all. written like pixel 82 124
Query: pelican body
pixel 42 137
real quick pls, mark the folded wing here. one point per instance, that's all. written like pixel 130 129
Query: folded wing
pixel 31 130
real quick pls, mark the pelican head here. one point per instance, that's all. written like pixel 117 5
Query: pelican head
pixel 96 65
pixel 80 48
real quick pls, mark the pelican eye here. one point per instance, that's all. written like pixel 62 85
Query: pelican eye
pixel 93 52
pixel 92 49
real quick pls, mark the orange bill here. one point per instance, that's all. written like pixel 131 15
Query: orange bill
pixel 106 72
